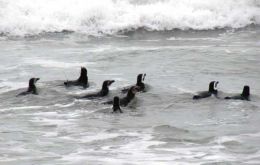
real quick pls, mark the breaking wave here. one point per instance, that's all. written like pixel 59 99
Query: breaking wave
pixel 32 17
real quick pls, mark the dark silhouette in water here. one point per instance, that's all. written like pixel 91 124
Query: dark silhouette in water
pixel 31 88
pixel 245 95
pixel 205 94
pixel 103 92
pixel 116 105
pixel 139 83
pixel 128 98
pixel 130 95
pixel 81 81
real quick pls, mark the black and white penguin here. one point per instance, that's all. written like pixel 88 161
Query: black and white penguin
pixel 128 98
pixel 103 92
pixel 116 105
pixel 245 95
pixel 32 88
pixel 81 81
pixel 212 90
pixel 139 83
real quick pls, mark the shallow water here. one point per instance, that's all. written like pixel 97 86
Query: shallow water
pixel 162 126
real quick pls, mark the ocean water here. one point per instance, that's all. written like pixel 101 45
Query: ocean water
pixel 180 45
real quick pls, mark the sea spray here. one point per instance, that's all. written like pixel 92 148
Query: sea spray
pixel 102 17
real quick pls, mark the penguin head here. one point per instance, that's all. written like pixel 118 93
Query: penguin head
pixel 246 91
pixel 213 86
pixel 140 78
pixel 83 78
pixel 32 81
pixel 83 71
pixel 107 83
pixel 116 104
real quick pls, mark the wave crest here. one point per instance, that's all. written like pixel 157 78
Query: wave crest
pixel 31 17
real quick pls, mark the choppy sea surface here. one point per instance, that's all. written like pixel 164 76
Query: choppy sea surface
pixel 181 46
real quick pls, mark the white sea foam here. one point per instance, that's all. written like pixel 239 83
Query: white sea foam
pixel 65 105
pixel 182 90
pixel 193 39
pixel 56 64
pixel 98 136
pixel 6 86
pixel 21 108
pixel 47 121
pixel 224 139
pixel 29 17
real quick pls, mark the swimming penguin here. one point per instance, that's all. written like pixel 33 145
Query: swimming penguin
pixel 116 105
pixel 212 90
pixel 245 95
pixel 103 92
pixel 32 88
pixel 130 95
pixel 81 81
pixel 128 98
pixel 139 83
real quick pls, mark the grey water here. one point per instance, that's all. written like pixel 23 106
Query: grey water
pixel 161 126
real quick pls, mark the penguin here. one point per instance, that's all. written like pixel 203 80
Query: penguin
pixel 31 88
pixel 103 92
pixel 245 95
pixel 139 83
pixel 128 98
pixel 116 105
pixel 81 81
pixel 212 90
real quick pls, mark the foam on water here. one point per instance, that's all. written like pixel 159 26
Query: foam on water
pixel 193 39
pixel 65 105
pixel 6 85
pixel 48 121
pixel 21 108
pixel 97 136
pixel 56 64
pixel 30 17
pixel 164 125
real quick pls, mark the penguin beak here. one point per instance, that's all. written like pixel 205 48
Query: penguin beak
pixel 144 76
pixel 215 85
pixel 111 82
pixel 36 79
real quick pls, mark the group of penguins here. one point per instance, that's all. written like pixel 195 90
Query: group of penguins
pixel 131 91
pixel 245 95
pixel 83 81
